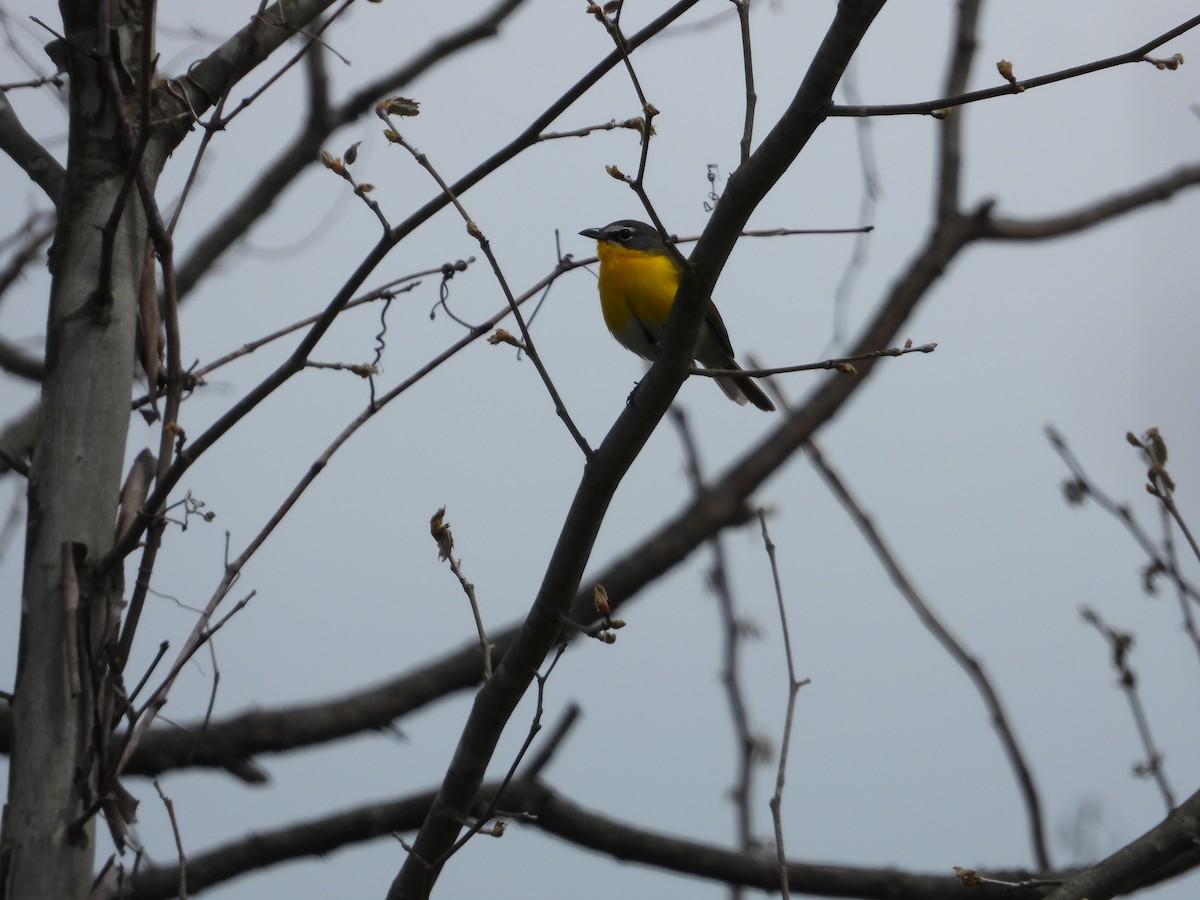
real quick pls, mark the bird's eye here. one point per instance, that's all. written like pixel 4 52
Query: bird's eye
pixel 624 234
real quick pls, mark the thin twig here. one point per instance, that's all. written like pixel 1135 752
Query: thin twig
pixel 170 433
pixel 972 878
pixel 362 191
pixel 211 129
pixel 486 245
pixel 1121 643
pixel 733 632
pixel 842 364
pixel 613 26
pixel 12 521
pixel 743 11
pixel 868 200
pixel 179 851
pixel 954 647
pixel 649 111
pixel 469 589
pixel 794 685
pixel 440 529
pixel 385 292
pixel 948 196
pixel 1161 485
pixel 33 233
pixel 54 79
pixel 930 107
pixel 552 741
pixel 1185 608
pixel 162 651
pixel 221 622
pixel 1081 487
pixel 216 682
pixel 786 232
pixel 534 727
pixel 635 124
pixel 362 370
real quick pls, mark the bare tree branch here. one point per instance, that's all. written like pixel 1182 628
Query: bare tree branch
pixel 17 440
pixel 559 816
pixel 498 698
pixel 1082 487
pixel 794 685
pixel 949 172
pixel 34 159
pixel 35 231
pixel 1120 644
pixel 927 107
pixel 954 647
pixel 734 631
pixel 17 362
pixel 1158 190
pixel 1163 847
pixel 547 810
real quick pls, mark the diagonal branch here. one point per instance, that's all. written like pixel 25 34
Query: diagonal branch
pixel 34 159
pixel 17 362
pixel 1169 844
pixel 952 645
pixel 495 702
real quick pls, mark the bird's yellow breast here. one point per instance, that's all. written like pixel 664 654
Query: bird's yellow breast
pixel 635 284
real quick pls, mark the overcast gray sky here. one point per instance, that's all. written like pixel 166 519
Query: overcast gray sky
pixel 893 758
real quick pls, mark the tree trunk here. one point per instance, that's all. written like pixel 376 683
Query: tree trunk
pixel 48 842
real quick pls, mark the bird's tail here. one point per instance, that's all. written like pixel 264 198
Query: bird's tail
pixel 741 388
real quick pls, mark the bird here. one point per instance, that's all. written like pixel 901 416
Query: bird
pixel 638 280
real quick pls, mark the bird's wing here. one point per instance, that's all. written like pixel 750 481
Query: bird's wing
pixel 712 321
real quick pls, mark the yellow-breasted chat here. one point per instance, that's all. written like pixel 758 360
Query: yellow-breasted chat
pixel 638 281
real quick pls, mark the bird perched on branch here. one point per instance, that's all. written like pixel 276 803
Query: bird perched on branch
pixel 638 281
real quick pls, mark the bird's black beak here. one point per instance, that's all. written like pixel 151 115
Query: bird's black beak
pixel 596 233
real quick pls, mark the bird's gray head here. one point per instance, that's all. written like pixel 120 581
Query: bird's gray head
pixel 630 234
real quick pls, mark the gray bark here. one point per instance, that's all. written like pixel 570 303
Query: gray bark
pixel 48 839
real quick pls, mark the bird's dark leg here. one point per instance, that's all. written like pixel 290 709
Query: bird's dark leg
pixel 629 399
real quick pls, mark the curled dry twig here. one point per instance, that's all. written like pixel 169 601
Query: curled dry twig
pixel 439 528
